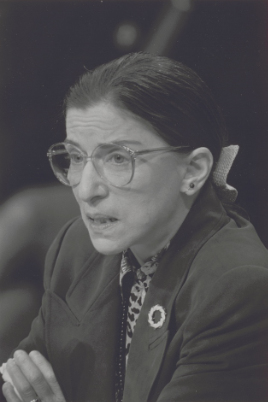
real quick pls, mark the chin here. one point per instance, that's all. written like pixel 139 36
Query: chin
pixel 107 247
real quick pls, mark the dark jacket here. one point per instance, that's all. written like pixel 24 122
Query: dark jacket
pixel 212 283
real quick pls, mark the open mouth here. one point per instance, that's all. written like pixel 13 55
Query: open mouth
pixel 102 221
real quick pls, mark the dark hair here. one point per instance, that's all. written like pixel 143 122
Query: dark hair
pixel 166 93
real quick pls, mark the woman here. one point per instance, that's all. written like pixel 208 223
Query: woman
pixel 159 292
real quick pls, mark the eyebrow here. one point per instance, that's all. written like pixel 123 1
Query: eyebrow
pixel 71 142
pixel 119 142
pixel 127 141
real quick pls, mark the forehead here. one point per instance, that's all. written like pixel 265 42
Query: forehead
pixel 104 123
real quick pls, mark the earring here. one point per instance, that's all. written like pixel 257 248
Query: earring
pixel 191 185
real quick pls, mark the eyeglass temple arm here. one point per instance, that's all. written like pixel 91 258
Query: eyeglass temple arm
pixel 146 151
pixel 59 152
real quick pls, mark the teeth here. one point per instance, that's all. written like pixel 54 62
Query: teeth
pixel 104 220
pixel 100 220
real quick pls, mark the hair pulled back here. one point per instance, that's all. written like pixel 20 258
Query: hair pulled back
pixel 165 93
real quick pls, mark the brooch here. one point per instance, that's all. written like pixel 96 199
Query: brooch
pixel 156 316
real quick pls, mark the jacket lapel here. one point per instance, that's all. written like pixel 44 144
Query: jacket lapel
pixel 94 286
pixel 148 345
pixel 86 362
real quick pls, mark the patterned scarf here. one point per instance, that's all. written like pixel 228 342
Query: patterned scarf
pixel 134 283
pixel 142 278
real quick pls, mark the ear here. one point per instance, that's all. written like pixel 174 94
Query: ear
pixel 199 164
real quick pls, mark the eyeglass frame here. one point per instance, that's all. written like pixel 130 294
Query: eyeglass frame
pixel 133 154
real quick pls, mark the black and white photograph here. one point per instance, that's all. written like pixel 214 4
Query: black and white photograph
pixel 134 200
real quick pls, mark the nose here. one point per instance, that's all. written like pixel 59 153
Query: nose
pixel 91 188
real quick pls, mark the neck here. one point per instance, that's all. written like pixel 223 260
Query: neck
pixel 160 238
pixel 139 256
pixel 148 249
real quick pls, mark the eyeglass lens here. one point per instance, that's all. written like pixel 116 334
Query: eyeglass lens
pixel 112 162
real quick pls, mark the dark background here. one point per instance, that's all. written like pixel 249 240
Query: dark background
pixel 45 45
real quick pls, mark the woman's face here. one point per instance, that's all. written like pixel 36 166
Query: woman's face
pixel 146 213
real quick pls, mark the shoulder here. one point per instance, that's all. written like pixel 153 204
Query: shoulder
pixel 235 245
pixel 230 272
pixel 226 291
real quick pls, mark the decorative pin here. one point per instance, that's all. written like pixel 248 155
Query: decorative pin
pixel 157 316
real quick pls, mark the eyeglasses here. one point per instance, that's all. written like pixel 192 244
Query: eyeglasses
pixel 114 163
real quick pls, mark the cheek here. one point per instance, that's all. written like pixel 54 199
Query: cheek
pixel 158 183
pixel 152 202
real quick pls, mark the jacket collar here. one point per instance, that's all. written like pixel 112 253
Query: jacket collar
pixel 205 218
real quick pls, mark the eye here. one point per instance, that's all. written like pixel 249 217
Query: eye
pixel 113 156
pixel 76 157
pixel 118 159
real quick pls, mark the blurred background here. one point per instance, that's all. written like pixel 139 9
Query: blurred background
pixel 46 45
